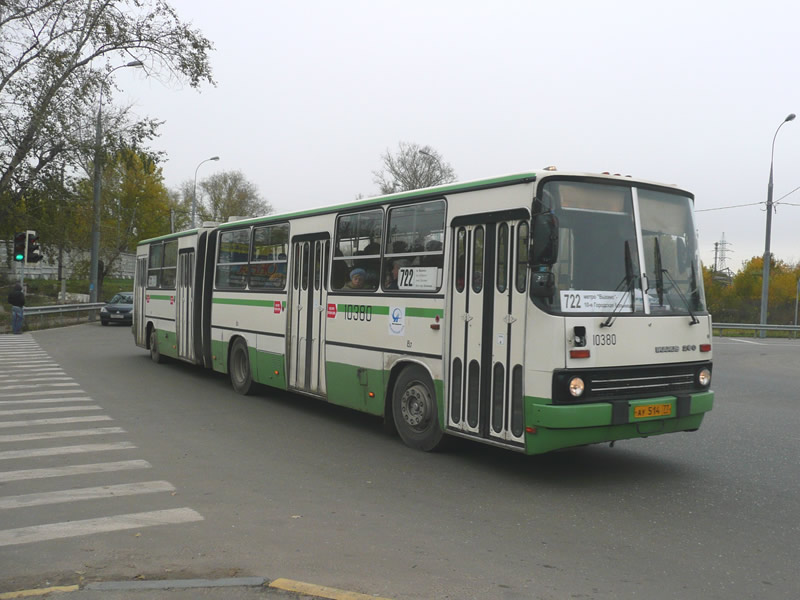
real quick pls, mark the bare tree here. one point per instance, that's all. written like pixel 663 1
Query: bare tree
pixel 411 168
pixel 231 195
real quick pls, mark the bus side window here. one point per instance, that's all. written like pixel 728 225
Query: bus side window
pixel 154 265
pixel 357 251
pixel 414 252
pixel 232 260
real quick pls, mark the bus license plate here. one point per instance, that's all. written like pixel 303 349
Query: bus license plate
pixel 652 410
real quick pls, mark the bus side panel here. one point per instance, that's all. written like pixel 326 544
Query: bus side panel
pixel 350 385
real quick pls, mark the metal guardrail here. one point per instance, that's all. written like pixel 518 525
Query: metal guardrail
pixel 62 308
pixel 755 326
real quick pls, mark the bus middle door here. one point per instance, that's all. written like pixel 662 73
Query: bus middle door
pixel 305 350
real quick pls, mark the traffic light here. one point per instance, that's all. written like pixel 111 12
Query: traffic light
pixel 20 245
pixel 34 254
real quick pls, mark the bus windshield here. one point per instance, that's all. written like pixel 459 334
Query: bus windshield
pixel 600 253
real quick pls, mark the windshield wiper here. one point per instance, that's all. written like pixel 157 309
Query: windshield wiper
pixel 628 281
pixel 686 303
pixel 659 271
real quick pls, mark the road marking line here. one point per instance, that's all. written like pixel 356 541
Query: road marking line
pixel 54 531
pixel 49 409
pixel 15 394
pixel 49 435
pixel 46 400
pixel 49 377
pixel 31 423
pixel 748 342
pixel 64 450
pixel 91 493
pixel 39 592
pixel 321 591
pixel 123 465
pixel 23 386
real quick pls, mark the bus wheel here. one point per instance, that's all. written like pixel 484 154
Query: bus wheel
pixel 239 368
pixel 415 412
pixel 155 355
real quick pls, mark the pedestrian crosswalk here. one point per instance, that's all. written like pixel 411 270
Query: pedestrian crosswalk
pixel 52 435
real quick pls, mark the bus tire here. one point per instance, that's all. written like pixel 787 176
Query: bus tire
pixel 415 411
pixel 155 355
pixel 239 368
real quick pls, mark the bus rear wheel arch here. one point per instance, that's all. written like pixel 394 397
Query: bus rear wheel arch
pixel 415 411
pixel 239 367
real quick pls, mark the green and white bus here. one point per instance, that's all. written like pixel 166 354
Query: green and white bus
pixel 536 311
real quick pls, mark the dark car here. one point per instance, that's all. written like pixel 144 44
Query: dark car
pixel 118 310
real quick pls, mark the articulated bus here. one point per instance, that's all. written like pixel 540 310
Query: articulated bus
pixel 535 312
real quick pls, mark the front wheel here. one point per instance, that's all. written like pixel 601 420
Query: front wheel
pixel 415 411
pixel 155 355
pixel 239 368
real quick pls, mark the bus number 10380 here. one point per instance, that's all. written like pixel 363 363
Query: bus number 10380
pixel 357 312
pixel 604 339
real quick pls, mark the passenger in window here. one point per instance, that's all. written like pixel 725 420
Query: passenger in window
pixel 390 283
pixel 358 279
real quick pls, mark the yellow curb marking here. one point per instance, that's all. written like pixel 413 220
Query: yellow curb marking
pixel 320 591
pixel 38 592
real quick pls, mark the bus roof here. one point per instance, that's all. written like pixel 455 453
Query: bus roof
pixel 451 188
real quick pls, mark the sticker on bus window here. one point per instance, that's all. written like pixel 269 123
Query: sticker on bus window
pixel 418 278
pixel 593 301
pixel 152 281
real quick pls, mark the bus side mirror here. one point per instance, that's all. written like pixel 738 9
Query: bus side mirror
pixel 543 284
pixel 544 244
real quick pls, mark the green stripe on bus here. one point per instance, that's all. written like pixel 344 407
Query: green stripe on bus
pixel 159 297
pixel 430 313
pixel 244 302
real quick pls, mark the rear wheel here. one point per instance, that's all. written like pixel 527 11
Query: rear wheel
pixel 415 411
pixel 155 355
pixel 239 368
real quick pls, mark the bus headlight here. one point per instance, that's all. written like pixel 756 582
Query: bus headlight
pixel 704 377
pixel 576 387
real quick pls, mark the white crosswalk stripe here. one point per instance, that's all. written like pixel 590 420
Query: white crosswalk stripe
pixel 33 385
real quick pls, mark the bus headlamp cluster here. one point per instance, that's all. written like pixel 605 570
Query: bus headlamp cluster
pixel 704 377
pixel 576 387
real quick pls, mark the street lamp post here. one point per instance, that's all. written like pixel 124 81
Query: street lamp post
pixel 98 178
pixel 194 191
pixel 796 299
pixel 765 271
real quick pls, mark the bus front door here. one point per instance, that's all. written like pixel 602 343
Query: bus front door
pixel 488 300
pixel 305 352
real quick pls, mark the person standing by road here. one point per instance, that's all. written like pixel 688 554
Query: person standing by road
pixel 16 298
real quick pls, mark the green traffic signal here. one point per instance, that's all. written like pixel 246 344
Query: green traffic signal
pixel 20 244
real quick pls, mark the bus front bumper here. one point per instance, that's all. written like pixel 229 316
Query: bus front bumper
pixel 551 427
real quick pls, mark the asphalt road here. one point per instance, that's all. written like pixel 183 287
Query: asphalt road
pixel 209 484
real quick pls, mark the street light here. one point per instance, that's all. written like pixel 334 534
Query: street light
pixel 765 272
pixel 98 177
pixel 429 155
pixel 194 192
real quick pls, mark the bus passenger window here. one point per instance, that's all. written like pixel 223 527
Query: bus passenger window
pixel 414 252
pixel 477 261
pixel 268 257
pixel 357 251
pixel 232 260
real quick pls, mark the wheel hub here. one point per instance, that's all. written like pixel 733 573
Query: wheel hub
pixel 415 406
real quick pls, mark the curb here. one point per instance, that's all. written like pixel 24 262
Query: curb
pixel 287 585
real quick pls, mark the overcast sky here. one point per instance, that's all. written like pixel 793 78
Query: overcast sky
pixel 310 94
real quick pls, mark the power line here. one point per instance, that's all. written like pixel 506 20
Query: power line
pixel 726 207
